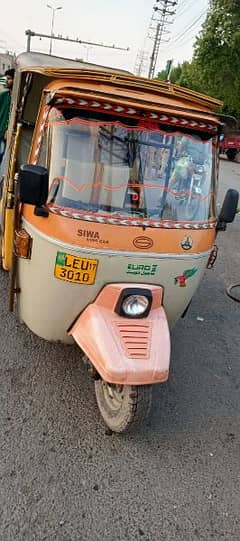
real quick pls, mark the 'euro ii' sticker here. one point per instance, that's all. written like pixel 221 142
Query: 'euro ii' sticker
pixel 141 270
pixel 182 279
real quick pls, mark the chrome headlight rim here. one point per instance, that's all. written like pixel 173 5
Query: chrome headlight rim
pixel 135 305
pixel 134 293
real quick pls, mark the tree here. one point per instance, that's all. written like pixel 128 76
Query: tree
pixel 183 75
pixel 175 74
pixel 216 59
pixel 215 67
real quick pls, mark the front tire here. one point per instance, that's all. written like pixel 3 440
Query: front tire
pixel 122 406
pixel 231 154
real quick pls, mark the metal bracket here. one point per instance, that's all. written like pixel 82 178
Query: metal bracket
pixel 212 257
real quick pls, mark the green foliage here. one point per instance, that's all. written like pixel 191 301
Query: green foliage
pixel 215 67
pixel 184 75
pixel 216 54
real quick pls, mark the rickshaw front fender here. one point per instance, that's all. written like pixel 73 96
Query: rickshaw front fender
pixel 123 350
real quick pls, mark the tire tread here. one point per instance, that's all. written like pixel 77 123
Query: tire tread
pixel 134 411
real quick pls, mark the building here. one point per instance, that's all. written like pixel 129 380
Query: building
pixel 7 61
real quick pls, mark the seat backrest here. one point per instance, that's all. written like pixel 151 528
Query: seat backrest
pixel 112 177
pixel 78 173
pixel 115 179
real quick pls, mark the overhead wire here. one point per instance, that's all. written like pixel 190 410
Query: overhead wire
pixel 180 40
pixel 186 7
pixel 186 30
pixel 187 34
pixel 182 43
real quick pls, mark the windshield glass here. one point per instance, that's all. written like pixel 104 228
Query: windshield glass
pixel 109 168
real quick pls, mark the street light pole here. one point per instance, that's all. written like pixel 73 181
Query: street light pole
pixel 52 25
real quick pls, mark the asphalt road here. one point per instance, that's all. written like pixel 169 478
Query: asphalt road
pixel 63 478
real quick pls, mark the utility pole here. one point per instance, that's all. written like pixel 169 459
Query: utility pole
pixel 141 62
pixel 52 24
pixel 159 22
pixel 30 34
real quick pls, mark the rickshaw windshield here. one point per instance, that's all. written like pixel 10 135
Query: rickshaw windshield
pixel 110 168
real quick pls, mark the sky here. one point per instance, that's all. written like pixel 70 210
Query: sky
pixel 124 23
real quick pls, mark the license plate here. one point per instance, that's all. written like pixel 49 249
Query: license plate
pixel 77 270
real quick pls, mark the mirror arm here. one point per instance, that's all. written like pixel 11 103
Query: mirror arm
pixel 221 226
pixel 43 212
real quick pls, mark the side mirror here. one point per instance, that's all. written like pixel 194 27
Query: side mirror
pixel 229 209
pixel 33 184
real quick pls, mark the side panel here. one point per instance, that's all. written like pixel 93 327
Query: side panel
pixel 49 305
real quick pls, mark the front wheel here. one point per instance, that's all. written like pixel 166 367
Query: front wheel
pixel 231 154
pixel 122 406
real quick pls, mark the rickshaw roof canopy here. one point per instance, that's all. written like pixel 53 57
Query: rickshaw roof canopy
pixel 138 88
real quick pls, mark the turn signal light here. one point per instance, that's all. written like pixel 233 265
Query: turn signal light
pixel 22 244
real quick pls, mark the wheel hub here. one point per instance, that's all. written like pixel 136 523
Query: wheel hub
pixel 113 394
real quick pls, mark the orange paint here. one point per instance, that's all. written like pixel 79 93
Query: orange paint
pixel 152 96
pixel 86 234
pixel 148 96
pixel 43 109
pixel 124 350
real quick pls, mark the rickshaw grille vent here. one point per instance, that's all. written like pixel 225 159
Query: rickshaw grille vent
pixel 135 339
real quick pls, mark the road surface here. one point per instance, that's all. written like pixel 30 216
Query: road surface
pixel 64 478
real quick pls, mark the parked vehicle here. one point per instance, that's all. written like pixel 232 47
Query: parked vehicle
pixel 231 146
pixel 96 241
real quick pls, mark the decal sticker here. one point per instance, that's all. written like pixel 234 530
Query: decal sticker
pixel 143 243
pixel 151 116
pixel 92 236
pixel 187 243
pixel 181 280
pixel 77 270
pixel 141 270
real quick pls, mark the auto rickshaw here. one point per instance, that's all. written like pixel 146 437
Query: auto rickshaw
pixel 106 226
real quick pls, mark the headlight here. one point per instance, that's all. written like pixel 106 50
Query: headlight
pixel 135 305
